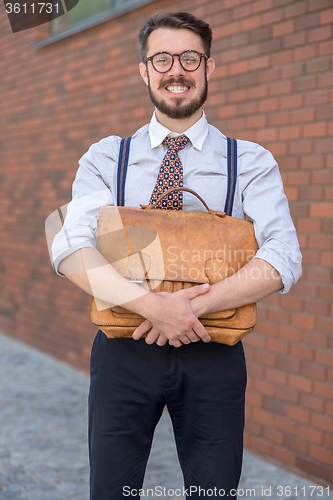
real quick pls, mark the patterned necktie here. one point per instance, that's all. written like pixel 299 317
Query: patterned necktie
pixel 170 175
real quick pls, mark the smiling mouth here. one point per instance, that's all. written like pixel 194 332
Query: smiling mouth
pixel 177 89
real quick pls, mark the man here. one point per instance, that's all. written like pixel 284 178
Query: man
pixel 202 382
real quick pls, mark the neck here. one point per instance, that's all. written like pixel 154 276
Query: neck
pixel 176 125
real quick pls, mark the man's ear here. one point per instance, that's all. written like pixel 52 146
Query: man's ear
pixel 210 66
pixel 143 72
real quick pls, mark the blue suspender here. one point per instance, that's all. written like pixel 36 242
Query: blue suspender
pixel 122 170
pixel 232 175
pixel 232 172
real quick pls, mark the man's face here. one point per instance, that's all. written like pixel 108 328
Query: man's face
pixel 177 93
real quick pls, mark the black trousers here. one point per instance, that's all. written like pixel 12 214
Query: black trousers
pixel 203 386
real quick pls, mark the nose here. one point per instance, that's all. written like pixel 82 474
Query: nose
pixel 176 69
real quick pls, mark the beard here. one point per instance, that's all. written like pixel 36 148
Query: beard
pixel 177 111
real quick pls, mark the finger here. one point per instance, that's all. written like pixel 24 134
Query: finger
pixel 201 331
pixel 161 340
pixel 142 329
pixel 152 336
pixel 194 291
pixel 175 343
pixel 193 336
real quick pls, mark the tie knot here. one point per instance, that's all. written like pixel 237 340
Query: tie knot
pixel 176 142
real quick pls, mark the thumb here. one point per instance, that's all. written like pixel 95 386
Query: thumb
pixel 194 291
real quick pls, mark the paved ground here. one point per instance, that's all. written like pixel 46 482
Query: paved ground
pixel 43 447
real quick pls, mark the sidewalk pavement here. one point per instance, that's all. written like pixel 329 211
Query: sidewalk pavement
pixel 43 439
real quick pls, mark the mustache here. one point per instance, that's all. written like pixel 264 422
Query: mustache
pixel 172 81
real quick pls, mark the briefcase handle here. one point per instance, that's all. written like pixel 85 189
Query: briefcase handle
pixel 172 190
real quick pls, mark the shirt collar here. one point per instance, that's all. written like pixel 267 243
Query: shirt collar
pixel 197 133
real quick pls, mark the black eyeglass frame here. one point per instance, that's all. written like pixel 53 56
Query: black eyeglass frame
pixel 173 60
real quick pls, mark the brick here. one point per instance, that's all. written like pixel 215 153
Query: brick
pixel 317 66
pixel 301 383
pixel 273 435
pixel 299 414
pixel 321 210
pixel 283 57
pixel 319 5
pixel 226 111
pixel 302 352
pixel 288 364
pixel 298 178
pixel 262 416
pixel 259 62
pixel 308 225
pixel 313 468
pixel 270 76
pixel 303 320
pixel 323 241
pixel 318 34
pixel 264 387
pixel 290 333
pixel 318 97
pixel 329 407
pixel 315 130
pixel 294 101
pixel 326 292
pixel 321 454
pixel 303 115
pixel 324 114
pixel 310 193
pixel 295 9
pixel 310 434
pixel 316 307
pixel 305 83
pixel 275 119
pixel 261 5
pixel 281 29
pixel 238 67
pixel 260 34
pixel 284 424
pixel 251 23
pixel 322 422
pixel 313 371
pixel 324 357
pixel 290 133
pixel 272 17
pixel 326 48
pixel 267 134
pixel 274 405
pixel 277 376
pixel 328 441
pixel 312 402
pixel 307 21
pixel 305 51
pixel 281 88
pixel 325 80
pixel 294 40
pixel 296 444
pixel 318 275
pixel 323 177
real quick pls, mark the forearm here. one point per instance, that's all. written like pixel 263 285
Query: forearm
pixel 90 271
pixel 255 281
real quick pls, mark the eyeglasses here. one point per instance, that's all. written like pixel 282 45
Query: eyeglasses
pixel 189 60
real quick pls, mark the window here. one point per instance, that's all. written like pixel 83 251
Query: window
pixel 85 9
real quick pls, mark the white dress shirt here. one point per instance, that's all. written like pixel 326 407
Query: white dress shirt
pixel 259 192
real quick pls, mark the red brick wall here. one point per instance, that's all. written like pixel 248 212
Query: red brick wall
pixel 272 85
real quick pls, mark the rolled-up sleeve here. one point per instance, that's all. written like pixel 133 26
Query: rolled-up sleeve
pixel 265 203
pixel 91 189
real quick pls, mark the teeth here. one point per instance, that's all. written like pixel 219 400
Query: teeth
pixel 177 90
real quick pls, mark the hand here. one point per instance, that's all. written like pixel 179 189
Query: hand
pixel 172 319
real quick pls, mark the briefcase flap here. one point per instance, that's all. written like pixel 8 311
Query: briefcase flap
pixel 174 245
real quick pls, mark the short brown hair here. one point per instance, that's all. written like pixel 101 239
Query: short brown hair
pixel 175 20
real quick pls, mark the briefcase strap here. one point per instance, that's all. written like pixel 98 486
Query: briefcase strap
pixel 232 172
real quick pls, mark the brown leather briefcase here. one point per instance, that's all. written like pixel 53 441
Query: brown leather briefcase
pixel 167 250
